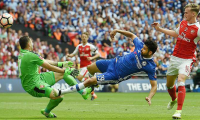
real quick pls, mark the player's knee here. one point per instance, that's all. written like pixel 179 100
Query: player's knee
pixel 169 86
pixel 54 93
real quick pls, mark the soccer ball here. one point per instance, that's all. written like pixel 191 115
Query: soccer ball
pixel 6 20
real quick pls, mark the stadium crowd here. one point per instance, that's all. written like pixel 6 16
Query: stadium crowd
pixel 60 18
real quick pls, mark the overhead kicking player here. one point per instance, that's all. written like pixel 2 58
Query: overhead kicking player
pixel 39 85
pixel 187 34
pixel 122 68
pixel 85 51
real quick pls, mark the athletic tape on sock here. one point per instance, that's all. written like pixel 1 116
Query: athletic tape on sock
pixel 170 87
pixel 181 83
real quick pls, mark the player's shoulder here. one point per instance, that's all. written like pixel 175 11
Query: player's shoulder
pixel 89 44
pixel 152 64
pixel 33 54
pixel 79 45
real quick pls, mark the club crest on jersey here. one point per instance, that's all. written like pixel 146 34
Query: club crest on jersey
pixel 144 63
pixel 192 31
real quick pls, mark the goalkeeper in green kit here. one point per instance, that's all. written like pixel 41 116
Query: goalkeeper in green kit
pixel 39 85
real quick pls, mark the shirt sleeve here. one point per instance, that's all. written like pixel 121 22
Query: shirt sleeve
pixel 177 29
pixel 152 74
pixel 94 49
pixel 75 51
pixel 138 43
pixel 198 33
pixel 36 59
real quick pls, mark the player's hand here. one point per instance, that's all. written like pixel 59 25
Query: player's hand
pixel 156 25
pixel 89 58
pixel 148 100
pixel 67 64
pixel 113 33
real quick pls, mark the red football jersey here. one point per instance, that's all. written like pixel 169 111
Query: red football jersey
pixel 188 36
pixel 84 52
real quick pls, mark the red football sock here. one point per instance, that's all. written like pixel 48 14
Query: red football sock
pixel 181 97
pixel 172 93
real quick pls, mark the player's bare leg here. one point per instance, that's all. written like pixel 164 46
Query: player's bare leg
pixel 92 69
pixel 171 90
pixel 181 95
pixel 54 101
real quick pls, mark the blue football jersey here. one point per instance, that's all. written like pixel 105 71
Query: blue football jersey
pixel 133 62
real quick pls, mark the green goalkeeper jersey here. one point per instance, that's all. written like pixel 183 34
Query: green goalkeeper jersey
pixel 28 63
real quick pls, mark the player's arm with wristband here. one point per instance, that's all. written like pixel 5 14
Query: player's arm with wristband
pixel 68 70
pixel 65 64
pixel 163 30
pixel 152 91
pixel 123 32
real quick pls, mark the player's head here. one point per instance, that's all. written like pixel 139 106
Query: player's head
pixel 149 48
pixel 85 37
pixel 191 11
pixel 26 43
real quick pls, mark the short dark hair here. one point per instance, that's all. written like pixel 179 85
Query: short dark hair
pixel 152 45
pixel 23 41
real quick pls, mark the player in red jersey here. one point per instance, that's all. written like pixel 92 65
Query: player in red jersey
pixel 85 51
pixel 187 34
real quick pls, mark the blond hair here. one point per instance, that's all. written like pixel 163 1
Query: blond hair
pixel 86 33
pixel 194 7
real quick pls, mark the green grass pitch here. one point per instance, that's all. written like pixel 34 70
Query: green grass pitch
pixel 108 106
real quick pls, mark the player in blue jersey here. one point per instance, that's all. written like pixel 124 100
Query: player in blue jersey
pixel 121 68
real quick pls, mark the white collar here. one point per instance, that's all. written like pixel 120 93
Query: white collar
pixel 196 23
pixel 147 58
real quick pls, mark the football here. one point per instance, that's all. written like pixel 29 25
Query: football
pixel 6 20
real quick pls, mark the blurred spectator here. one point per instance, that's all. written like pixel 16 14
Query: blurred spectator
pixel 196 79
pixel 114 88
pixel 60 54
pixel 102 52
pixel 110 55
pixel 57 34
pixel 76 41
pixel 65 38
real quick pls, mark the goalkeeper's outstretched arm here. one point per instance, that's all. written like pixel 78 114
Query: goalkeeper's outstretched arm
pixel 51 62
pixel 65 64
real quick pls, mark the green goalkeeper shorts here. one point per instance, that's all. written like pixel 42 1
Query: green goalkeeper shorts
pixel 43 87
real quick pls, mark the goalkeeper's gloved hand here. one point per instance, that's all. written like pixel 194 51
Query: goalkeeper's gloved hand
pixel 65 64
pixel 72 71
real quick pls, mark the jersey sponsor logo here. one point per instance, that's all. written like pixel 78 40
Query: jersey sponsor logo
pixel 182 36
pixel 83 54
